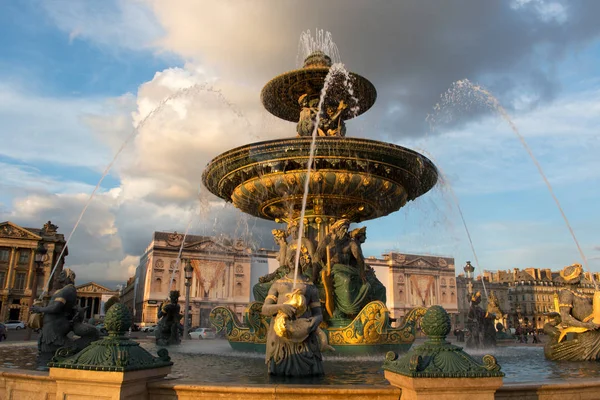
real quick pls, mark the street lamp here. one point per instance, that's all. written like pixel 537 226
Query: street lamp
pixel 469 273
pixel 188 282
pixel 40 257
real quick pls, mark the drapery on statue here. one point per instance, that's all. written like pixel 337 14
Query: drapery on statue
pixel 377 289
pixel 261 289
pixel 63 315
pixel 293 346
pixel 573 328
pixel 169 327
pixel 348 285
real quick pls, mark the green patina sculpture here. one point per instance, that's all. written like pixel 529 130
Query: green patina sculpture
pixel 347 285
pixel 116 352
pixel 437 358
pixel 62 316
pixel 169 328
pixel 351 180
pixel 574 327
pixel 293 345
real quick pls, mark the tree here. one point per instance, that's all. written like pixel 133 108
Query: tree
pixel 109 303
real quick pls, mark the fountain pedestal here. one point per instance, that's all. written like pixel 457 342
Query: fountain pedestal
pixel 94 385
pixel 440 370
pixel 113 368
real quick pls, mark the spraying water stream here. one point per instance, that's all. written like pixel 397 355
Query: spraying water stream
pixel 336 70
pixel 196 88
pixel 463 89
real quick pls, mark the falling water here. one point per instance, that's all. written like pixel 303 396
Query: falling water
pixel 196 88
pixel 446 184
pixel 336 70
pixel 464 90
pixel 322 42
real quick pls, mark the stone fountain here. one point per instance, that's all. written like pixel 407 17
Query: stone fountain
pixel 351 180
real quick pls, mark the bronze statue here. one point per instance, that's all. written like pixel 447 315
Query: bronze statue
pixel 345 280
pixel 169 328
pixel 493 312
pixel 377 289
pixel 62 316
pixel 475 322
pixel 286 250
pixel 293 346
pixel 331 122
pixel 308 115
pixel 573 328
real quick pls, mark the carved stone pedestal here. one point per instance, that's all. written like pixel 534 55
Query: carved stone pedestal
pixel 440 370
pixel 103 385
pixel 444 388
pixel 113 368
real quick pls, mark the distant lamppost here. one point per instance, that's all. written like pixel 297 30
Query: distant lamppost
pixel 40 257
pixel 188 282
pixel 469 269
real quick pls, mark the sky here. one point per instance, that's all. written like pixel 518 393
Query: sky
pixel 155 89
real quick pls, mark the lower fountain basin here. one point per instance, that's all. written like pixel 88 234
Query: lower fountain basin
pixel 210 368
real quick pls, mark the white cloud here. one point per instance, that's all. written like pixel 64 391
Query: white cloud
pixel 44 129
pixel 129 23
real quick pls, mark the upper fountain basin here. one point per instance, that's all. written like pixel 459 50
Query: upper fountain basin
pixel 358 179
pixel 280 95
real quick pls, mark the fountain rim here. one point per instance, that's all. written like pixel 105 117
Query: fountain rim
pixel 404 160
pixel 319 139
pixel 289 110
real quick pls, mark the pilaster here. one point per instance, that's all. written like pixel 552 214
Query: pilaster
pixel 31 271
pixel 11 262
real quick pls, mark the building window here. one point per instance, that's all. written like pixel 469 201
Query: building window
pixel 23 257
pixel 20 281
pixel 2 278
pixel 4 255
pixel 156 285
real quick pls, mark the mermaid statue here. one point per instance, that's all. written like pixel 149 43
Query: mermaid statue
pixel 573 328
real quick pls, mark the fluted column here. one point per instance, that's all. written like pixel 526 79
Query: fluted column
pixel 31 271
pixel 11 262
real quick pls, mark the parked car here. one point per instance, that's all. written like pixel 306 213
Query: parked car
pixel 2 332
pixel 14 324
pixel 203 333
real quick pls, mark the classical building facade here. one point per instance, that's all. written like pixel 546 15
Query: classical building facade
pixel 225 271
pixel 413 280
pixel 93 296
pixel 525 296
pixel 18 246
pixel 222 272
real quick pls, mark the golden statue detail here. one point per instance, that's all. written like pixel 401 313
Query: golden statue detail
pixel 573 329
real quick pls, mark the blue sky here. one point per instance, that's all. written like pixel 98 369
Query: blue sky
pixel 76 78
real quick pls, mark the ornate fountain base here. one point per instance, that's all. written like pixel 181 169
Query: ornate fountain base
pixel 369 332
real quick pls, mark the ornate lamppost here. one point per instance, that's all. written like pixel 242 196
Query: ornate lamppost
pixel 40 257
pixel 469 269
pixel 188 282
